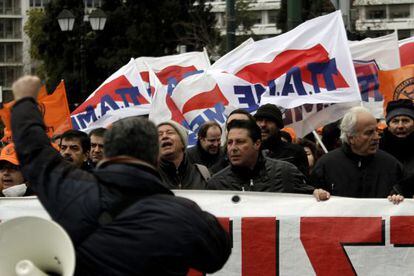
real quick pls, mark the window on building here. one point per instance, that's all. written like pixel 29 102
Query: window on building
pixel 11 52
pixel 376 12
pixel 38 3
pixel 9 74
pixel 272 16
pixel 10 28
pixel 257 16
pixel 93 3
pixel 399 11
pixel 9 7
pixel 404 34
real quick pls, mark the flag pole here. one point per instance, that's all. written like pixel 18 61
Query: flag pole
pixel 320 141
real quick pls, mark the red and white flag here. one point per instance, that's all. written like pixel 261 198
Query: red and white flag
pixel 122 95
pixel 371 55
pixel 407 51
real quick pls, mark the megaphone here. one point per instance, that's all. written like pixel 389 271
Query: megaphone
pixel 33 245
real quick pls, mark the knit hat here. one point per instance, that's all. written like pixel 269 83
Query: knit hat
pixel 270 112
pixel 9 154
pixel 182 131
pixel 402 107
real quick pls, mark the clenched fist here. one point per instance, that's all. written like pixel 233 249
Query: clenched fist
pixel 27 86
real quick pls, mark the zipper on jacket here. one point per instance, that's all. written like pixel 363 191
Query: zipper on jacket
pixel 177 173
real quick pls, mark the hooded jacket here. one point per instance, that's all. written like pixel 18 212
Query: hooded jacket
pixel 157 234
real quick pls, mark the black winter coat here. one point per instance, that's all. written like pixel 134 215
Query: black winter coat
pixel 269 175
pixel 400 148
pixel 187 176
pixel 158 234
pixel 197 155
pixel 344 173
pixel 275 148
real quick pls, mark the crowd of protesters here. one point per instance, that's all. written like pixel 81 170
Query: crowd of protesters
pixel 249 153
pixel 254 153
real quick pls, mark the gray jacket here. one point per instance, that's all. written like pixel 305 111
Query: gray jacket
pixel 269 175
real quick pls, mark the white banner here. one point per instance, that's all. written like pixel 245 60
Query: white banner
pixel 286 234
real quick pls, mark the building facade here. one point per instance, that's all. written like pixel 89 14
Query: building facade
pixel 15 58
pixel 265 13
pixel 380 17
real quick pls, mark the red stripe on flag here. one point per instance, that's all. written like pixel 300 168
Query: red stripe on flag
pixel 206 99
pixel 407 54
pixel 263 72
pixel 174 71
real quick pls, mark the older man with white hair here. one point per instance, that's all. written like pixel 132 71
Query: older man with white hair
pixel 359 168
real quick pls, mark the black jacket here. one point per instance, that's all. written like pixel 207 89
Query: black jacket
pixel 187 176
pixel 275 148
pixel 269 175
pixel 344 173
pixel 400 148
pixel 197 155
pixel 158 234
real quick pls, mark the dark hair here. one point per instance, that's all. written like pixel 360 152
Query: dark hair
pixel 249 125
pixel 202 132
pixel 286 135
pixel 100 132
pixel 242 111
pixel 73 134
pixel 133 136
pixel 317 152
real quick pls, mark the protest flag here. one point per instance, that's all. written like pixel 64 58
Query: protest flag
pixel 407 51
pixel 55 111
pixel 397 84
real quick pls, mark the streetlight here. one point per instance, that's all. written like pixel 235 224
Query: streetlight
pixel 97 20
pixel 66 20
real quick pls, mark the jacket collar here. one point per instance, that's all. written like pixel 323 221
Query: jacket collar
pixel 360 160
pixel 130 173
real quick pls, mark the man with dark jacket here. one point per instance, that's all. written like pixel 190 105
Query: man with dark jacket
pixel 269 119
pixel 207 151
pixel 358 168
pixel 121 219
pixel 176 170
pixel 250 171
pixel 398 137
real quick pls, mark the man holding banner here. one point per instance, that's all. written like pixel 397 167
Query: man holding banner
pixel 358 168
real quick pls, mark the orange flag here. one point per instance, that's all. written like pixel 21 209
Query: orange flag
pixel 5 115
pixel 5 118
pixel 397 84
pixel 55 110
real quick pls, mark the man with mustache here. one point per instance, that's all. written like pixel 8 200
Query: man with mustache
pixel 398 137
pixel 207 151
pixel 74 148
pixel 269 119
pixel 176 170
pixel 358 168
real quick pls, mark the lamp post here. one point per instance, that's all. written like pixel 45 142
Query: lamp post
pixel 97 20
